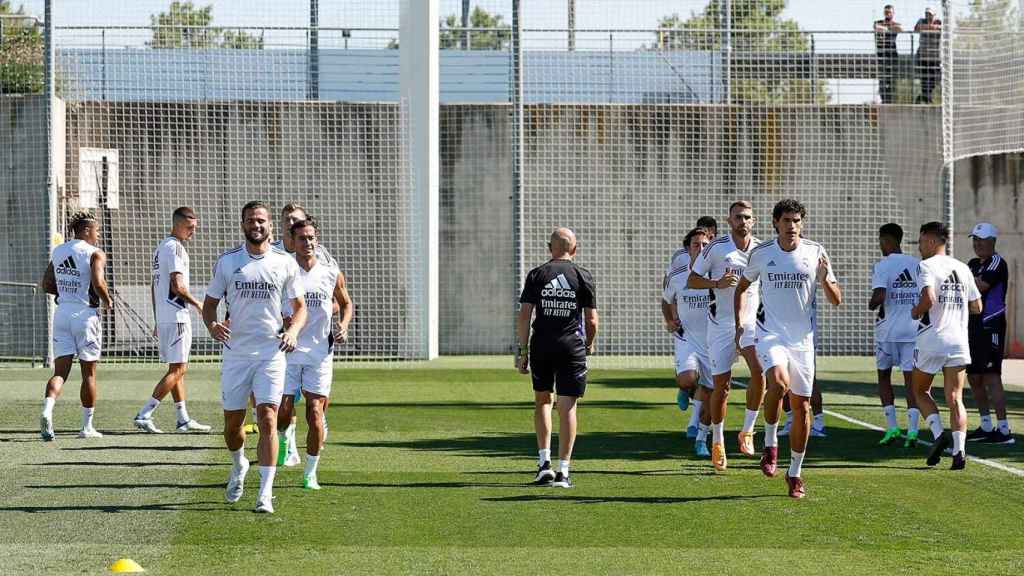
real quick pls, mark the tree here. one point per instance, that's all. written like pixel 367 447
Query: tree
pixel 21 53
pixel 759 29
pixel 497 35
pixel 185 26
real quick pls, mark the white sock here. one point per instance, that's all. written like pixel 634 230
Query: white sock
pixel 935 424
pixel 48 403
pixel 771 434
pixel 267 483
pixel 694 413
pixel 147 410
pixel 890 416
pixel 238 456
pixel 1004 426
pixel 311 462
pixel 959 440
pixel 179 408
pixel 702 432
pixel 913 419
pixel 543 456
pixel 819 421
pixel 563 467
pixel 87 417
pixel 718 433
pixel 986 422
pixel 796 463
pixel 290 435
pixel 749 419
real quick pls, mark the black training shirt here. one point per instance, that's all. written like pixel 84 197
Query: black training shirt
pixel 559 290
pixel 994 271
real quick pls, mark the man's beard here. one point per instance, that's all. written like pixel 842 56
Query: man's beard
pixel 253 238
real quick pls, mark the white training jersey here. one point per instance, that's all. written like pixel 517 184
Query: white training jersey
pixel 789 283
pixel 679 259
pixel 315 340
pixel 254 287
pixel 717 258
pixel 943 328
pixel 321 253
pixel 691 307
pixel 897 274
pixel 169 258
pixel 72 268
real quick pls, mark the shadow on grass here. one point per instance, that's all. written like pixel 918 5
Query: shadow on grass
pixel 140 448
pixel 626 499
pixel 126 485
pixel 115 508
pixel 131 464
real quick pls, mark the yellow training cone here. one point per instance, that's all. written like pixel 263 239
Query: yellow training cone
pixel 125 566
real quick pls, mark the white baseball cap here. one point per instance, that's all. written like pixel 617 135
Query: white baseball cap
pixel 984 230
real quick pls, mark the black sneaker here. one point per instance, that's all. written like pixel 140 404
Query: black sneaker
pixel 978 435
pixel 997 437
pixel 561 481
pixel 544 475
pixel 941 443
pixel 959 461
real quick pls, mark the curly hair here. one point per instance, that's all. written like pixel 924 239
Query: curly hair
pixel 789 206
pixel 79 221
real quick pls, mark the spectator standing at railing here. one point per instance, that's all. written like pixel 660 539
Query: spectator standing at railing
pixel 885 46
pixel 929 67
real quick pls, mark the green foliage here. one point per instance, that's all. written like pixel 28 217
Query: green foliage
pixel 184 25
pixel 497 37
pixel 21 53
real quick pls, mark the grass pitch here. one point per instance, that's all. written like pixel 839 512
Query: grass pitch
pixel 424 472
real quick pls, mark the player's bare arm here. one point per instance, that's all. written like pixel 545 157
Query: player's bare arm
pixel 219 331
pixel 671 316
pixel 877 298
pixel 983 286
pixel 925 303
pixel 737 300
pixel 975 307
pixel 699 282
pixel 523 332
pixel 298 319
pixel 181 290
pixel 345 307
pixel 98 262
pixel 49 280
pixel 831 287
pixel 590 326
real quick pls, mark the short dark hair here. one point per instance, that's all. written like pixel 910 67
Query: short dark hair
pixel 252 205
pixel 309 221
pixel 707 222
pixel 786 206
pixel 698 231
pixel 741 204
pixel 888 7
pixel 292 207
pixel 79 221
pixel 937 229
pixel 183 213
pixel 892 230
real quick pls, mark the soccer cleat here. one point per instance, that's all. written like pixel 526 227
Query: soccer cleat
pixel 683 399
pixel 236 482
pixel 770 461
pixel 746 441
pixel 265 506
pixel 796 487
pixel 561 481
pixel 891 435
pixel 691 431
pixel 292 459
pixel 959 461
pixel 701 449
pixel 46 429
pixel 818 432
pixel 977 435
pixel 193 426
pixel 997 437
pixel 282 448
pixel 784 431
pixel 310 483
pixel 545 475
pixel 718 457
pixel 89 432
pixel 940 445
pixel 147 425
pixel 911 440
pixel 251 429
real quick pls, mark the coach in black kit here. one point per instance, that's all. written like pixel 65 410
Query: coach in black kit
pixel 564 329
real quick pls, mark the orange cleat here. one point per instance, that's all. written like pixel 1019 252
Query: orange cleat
pixel 718 457
pixel 746 440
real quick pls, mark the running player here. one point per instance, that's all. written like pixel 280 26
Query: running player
pixel 687 320
pixel 171 299
pixel 564 330
pixel 789 269
pixel 75 275
pixel 948 296
pixel 255 279
pixel 310 366
pixel 894 292
pixel 718 268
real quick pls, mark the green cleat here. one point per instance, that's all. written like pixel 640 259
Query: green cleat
pixel 282 448
pixel 911 440
pixel 310 483
pixel 891 435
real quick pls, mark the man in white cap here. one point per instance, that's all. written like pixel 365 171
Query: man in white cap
pixel 987 333
pixel 929 66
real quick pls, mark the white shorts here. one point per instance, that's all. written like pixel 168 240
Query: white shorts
pixel 77 331
pixel 722 347
pixel 312 378
pixel 933 363
pixel 690 358
pixel 240 377
pixel 890 355
pixel 175 341
pixel 798 363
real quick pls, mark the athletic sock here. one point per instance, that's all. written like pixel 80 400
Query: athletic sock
pixel 749 419
pixel 935 424
pixel 182 412
pixel 796 463
pixel 819 422
pixel 694 413
pixel 718 433
pixel 890 416
pixel 702 432
pixel 238 456
pixel 563 467
pixel 986 422
pixel 1004 427
pixel 771 435
pixel 267 483
pixel 48 403
pixel 959 442
pixel 543 456
pixel 913 419
pixel 311 462
pixel 147 410
pixel 290 435
pixel 87 417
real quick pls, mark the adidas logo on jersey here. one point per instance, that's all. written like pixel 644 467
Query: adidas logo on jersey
pixel 238 271
pixel 771 262
pixel 558 288
pixel 68 267
pixel 905 280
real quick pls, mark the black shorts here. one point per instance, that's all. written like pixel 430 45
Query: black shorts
pixel 566 369
pixel 987 347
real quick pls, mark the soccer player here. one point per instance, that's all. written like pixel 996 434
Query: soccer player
pixel 789 269
pixel 171 299
pixel 719 268
pixel 75 275
pixel 687 320
pixel 948 296
pixel 987 333
pixel 254 279
pixel 894 292
pixel 564 329
pixel 310 366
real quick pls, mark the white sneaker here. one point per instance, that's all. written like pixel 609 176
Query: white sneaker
pixel 46 428
pixel 292 459
pixel 147 425
pixel 193 426
pixel 265 506
pixel 310 482
pixel 89 432
pixel 236 482
pixel 784 431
